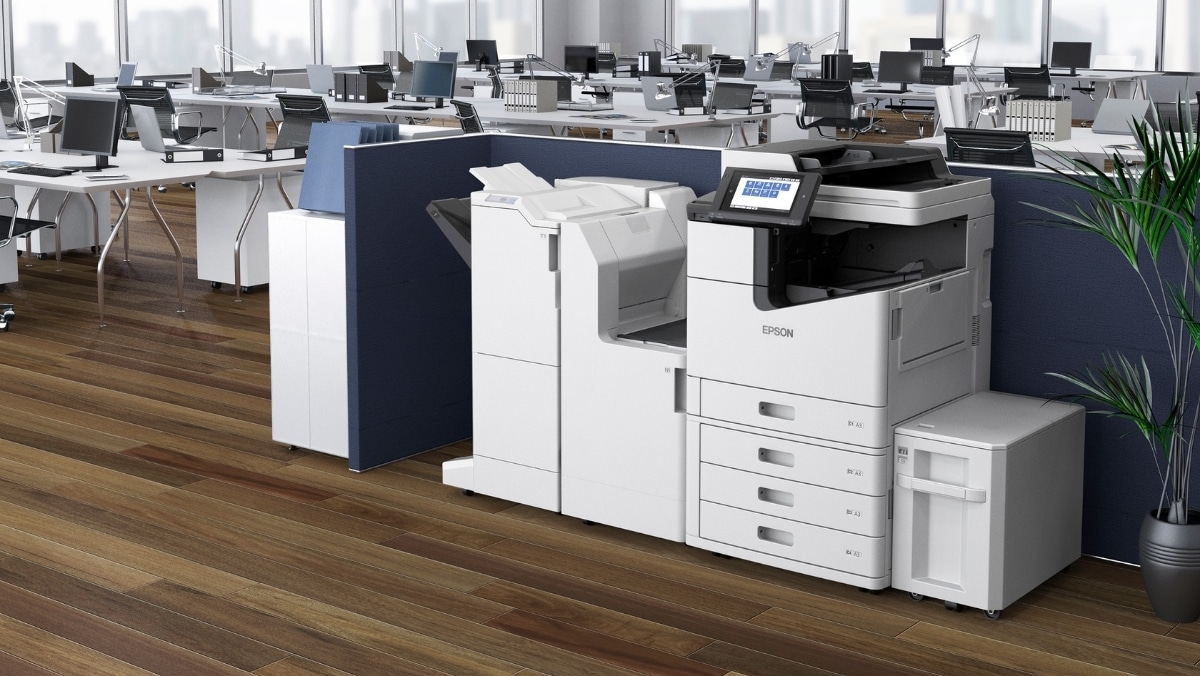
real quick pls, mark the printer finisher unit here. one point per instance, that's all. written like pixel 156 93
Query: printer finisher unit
pixel 807 346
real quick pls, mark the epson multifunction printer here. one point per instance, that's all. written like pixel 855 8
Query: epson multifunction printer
pixel 578 371
pixel 834 291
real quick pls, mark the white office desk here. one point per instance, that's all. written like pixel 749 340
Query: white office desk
pixel 1084 144
pixel 1136 79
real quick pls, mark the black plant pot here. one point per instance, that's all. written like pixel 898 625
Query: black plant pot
pixel 1170 556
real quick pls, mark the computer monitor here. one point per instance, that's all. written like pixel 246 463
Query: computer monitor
pixel 449 57
pixel 90 128
pixel 433 80
pixel 926 44
pixel 125 75
pixel 903 68
pixel 482 53
pixel 581 59
pixel 1073 55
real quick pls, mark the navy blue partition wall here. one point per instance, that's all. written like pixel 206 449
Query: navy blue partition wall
pixel 1062 298
pixel 409 294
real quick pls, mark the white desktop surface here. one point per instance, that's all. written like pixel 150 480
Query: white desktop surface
pixel 1084 143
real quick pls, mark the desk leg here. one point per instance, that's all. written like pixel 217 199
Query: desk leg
pixel 162 223
pixel 62 208
pixel 257 132
pixel 279 182
pixel 237 243
pixel 121 220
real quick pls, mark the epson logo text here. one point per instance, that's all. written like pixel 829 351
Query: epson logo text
pixel 777 331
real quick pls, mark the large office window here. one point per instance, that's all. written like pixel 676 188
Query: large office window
pixel 1181 49
pixel 509 22
pixel 784 21
pixel 53 32
pixel 276 31
pixel 175 36
pixel 886 25
pixel 442 22
pixel 1010 31
pixel 357 31
pixel 724 24
pixel 1114 27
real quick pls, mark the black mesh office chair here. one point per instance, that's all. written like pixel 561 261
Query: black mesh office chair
pixel 829 104
pixel 300 113
pixel 922 112
pixel 169 119
pixel 17 227
pixel 730 67
pixel 1031 82
pixel 861 70
pixel 467 116
pixel 14 110
pixel 989 146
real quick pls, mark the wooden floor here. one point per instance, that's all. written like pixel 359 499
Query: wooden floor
pixel 149 524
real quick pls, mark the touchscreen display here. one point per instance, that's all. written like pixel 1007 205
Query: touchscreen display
pixel 773 194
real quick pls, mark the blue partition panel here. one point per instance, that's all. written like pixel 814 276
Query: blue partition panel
pixel 1061 299
pixel 408 299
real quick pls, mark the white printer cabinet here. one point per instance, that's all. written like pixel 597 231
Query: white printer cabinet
pixel 309 400
pixel 988 498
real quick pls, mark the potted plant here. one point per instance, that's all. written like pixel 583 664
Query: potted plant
pixel 1147 210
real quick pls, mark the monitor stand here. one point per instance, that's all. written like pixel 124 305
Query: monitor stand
pixel 100 165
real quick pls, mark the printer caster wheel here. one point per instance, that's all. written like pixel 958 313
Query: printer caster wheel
pixel 719 555
pixel 588 523
pixel 872 592
pixel 916 597
pixel 951 606
pixel 468 492
pixel 992 614
pixel 216 285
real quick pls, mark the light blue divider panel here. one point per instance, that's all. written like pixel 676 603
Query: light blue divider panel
pixel 408 292
pixel 1061 299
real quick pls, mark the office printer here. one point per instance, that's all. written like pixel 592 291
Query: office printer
pixel 810 337
pixel 534 249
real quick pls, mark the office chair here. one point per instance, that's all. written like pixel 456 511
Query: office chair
pixel 924 112
pixel 15 110
pixel 467 116
pixel 989 146
pixel 861 70
pixel 730 67
pixel 494 78
pixel 300 113
pixel 17 227
pixel 1031 82
pixel 159 98
pixel 828 104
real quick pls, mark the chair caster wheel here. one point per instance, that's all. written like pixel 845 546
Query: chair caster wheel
pixel 951 606
pixel 468 492
pixel 247 289
pixel 216 285
pixel 42 256
pixel 161 188
pixel 916 597
pixel 992 614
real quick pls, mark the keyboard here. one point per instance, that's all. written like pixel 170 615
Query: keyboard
pixel 399 106
pixel 48 172
pixel 887 91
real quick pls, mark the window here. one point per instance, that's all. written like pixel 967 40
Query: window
pixel 510 23
pixel 1181 49
pixel 1010 32
pixel 160 44
pixel 784 21
pixel 357 31
pixel 442 22
pixel 56 31
pixel 1114 27
pixel 886 25
pixel 275 31
pixel 724 24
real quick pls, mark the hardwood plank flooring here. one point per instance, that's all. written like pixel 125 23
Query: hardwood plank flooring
pixel 149 524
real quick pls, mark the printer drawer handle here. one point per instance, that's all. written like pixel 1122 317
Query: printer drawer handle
pixel 939 488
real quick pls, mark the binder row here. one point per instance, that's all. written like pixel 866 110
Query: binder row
pixel 1046 119
pixel 530 96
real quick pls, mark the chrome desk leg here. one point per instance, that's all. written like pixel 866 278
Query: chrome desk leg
pixel 58 231
pixel 123 201
pixel 237 243
pixel 279 182
pixel 121 221
pixel 162 223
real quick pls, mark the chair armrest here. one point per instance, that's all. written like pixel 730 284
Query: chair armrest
pixel 179 114
pixel 800 116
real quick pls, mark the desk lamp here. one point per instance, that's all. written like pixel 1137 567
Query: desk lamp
pixel 766 61
pixel 260 67
pixel 418 39
pixel 531 59
pixel 989 106
pixel 676 53
pixel 665 89
pixel 805 51
pixel 23 108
